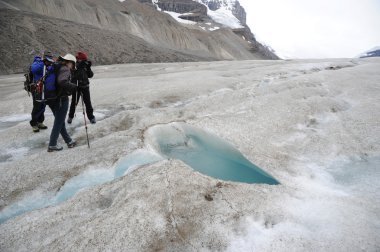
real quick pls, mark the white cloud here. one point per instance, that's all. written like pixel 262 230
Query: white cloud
pixel 315 29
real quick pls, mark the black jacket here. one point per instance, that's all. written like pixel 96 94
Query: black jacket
pixel 82 74
pixel 64 82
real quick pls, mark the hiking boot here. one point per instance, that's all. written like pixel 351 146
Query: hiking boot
pixel 93 121
pixel 54 148
pixel 42 126
pixel 35 129
pixel 72 144
pixel 69 120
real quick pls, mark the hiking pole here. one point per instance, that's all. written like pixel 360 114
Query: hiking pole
pixel 42 83
pixel 76 99
pixel 85 121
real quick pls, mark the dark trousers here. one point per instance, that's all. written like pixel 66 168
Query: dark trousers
pixel 59 108
pixel 37 112
pixel 85 93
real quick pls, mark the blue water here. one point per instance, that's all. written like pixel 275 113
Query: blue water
pixel 209 154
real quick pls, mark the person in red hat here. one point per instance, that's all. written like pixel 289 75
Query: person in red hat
pixel 81 77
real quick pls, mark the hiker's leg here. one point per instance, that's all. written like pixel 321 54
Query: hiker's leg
pixel 36 112
pixel 62 117
pixel 41 114
pixel 59 122
pixel 87 102
pixel 56 125
pixel 73 104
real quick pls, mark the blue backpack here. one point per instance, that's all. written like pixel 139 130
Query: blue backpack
pixel 45 81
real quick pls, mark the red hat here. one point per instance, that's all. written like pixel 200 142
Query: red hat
pixel 81 56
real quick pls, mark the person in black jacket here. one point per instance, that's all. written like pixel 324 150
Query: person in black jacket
pixel 60 105
pixel 80 77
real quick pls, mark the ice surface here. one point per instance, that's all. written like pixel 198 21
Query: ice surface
pixel 11 154
pixel 360 176
pixel 325 216
pixel 15 118
pixel 314 129
pixel 87 179
pixel 37 199
pixel 12 120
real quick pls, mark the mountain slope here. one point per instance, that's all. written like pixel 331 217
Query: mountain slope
pixel 113 21
pixel 24 34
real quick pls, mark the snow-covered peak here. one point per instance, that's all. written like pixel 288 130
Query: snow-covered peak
pixel 226 4
pixel 224 16
pixel 221 11
pixel 374 52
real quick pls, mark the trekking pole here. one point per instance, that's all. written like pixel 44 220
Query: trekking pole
pixel 85 121
pixel 76 99
pixel 43 80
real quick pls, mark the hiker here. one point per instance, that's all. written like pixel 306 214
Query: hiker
pixel 82 73
pixel 40 68
pixel 60 105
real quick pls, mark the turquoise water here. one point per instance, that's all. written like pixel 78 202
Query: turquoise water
pixel 208 154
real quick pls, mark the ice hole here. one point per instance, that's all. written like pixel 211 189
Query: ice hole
pixel 206 153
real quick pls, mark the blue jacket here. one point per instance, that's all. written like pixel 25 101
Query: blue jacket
pixel 37 69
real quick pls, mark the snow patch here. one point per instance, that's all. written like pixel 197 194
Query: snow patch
pixel 176 15
pixel 214 28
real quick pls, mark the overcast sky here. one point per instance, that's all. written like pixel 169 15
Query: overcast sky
pixel 315 29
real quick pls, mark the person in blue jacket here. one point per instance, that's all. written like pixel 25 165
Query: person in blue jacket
pixel 38 68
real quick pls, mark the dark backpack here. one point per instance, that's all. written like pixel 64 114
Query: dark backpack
pixel 61 92
pixel 57 67
pixel 28 83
